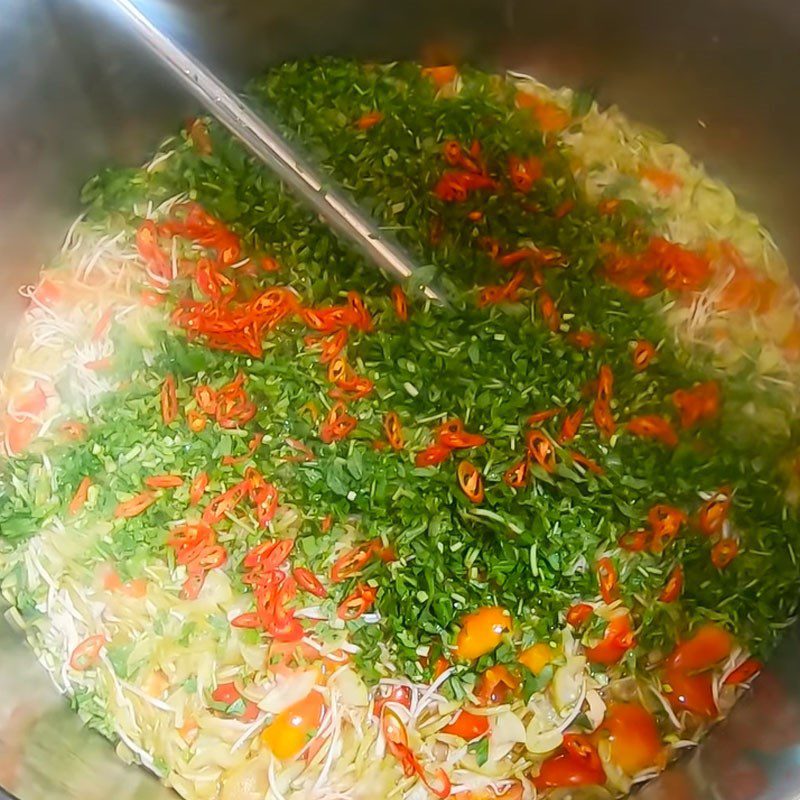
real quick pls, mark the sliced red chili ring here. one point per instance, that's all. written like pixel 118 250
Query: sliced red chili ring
pixel 587 463
pixel 393 430
pixel 665 522
pixel 352 562
pixel 193 584
pixel 541 416
pixel 673 587
pixel 634 541
pixel 460 440
pixel 603 418
pixel 247 620
pixel 163 481
pixel 432 455
pixel 309 582
pixel 541 449
pixel 208 558
pixel 135 506
pixel 608 580
pixel 224 503
pixel 197 488
pixel 357 602
pixel 570 426
pixel 651 426
pixel 516 476
pixel 169 400
pixel 714 512
pixel 269 555
pixel 87 653
pixel 643 354
pixel 400 303
pixel 723 552
pixel 470 481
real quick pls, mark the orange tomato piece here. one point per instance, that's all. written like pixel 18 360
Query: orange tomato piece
pixel 634 740
pixel 537 656
pixel 467 726
pixel 481 632
pixel 292 729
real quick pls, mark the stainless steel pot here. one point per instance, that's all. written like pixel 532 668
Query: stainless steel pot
pixel 718 76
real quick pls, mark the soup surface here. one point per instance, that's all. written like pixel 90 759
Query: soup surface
pixel 282 529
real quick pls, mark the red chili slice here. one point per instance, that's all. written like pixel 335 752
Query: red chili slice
pixel 400 303
pixel 393 430
pixel 352 562
pixel 673 587
pixel 432 455
pixel 269 555
pixel 197 488
pixel 516 476
pixel 169 400
pixel 570 426
pixel 470 481
pixel 309 582
pixel 357 602
pixel 723 552
pixel 135 506
pixel 87 654
pixel 541 450
pixel 578 614
pixel 163 481
pixel 608 579
pixel 643 354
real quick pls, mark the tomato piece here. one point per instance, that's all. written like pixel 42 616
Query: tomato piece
pixel 481 632
pixel 309 582
pixel 467 726
pixel 578 614
pixel 617 640
pixel 294 728
pixel 576 764
pixel 135 506
pixel 608 579
pixel 169 400
pixel 709 645
pixel 357 602
pixel 688 692
pixel 570 426
pixel 634 740
pixel 673 587
pixel 80 496
pixel 494 685
pixel 470 481
pixel 197 488
pixel 163 481
pixel 87 654
pixel 744 673
pixel 651 426
pixel 541 449
pixel 432 455
pixel 537 656
pixel 643 353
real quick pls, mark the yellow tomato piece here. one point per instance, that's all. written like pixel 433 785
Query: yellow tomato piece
pixel 481 632
pixel 633 737
pixel 537 657
pixel 293 729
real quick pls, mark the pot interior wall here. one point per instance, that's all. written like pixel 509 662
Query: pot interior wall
pixel 718 76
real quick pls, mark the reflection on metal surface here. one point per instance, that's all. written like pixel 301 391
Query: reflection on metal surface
pixel 269 146
pixel 74 96
pixel 45 752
